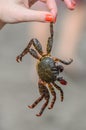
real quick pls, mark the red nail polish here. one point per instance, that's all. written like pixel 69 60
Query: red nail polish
pixel 49 18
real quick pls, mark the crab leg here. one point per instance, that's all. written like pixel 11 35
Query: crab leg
pixel 51 29
pixel 37 46
pixel 61 91
pixel 43 91
pixel 50 40
pixel 49 45
pixel 36 102
pixel 64 62
pixel 53 94
pixel 43 107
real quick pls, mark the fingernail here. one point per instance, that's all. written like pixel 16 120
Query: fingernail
pixel 49 18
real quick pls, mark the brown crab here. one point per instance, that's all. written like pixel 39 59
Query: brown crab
pixel 48 71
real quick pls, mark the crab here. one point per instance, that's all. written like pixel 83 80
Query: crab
pixel 48 69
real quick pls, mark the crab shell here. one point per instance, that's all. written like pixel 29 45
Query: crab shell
pixel 45 69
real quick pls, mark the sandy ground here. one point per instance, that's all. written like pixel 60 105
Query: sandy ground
pixel 18 88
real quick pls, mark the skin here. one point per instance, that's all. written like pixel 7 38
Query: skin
pixel 16 11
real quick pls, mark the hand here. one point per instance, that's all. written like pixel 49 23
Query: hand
pixel 15 11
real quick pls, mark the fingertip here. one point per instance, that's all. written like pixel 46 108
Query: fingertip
pixel 70 4
pixel 73 4
pixel 53 8
pixel 54 13
pixel 50 18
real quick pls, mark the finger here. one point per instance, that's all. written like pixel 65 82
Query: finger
pixel 71 4
pixel 51 4
pixel 52 7
pixel 25 15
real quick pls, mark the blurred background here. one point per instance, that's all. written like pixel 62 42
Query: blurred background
pixel 18 81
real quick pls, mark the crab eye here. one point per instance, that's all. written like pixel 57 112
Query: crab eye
pixel 60 68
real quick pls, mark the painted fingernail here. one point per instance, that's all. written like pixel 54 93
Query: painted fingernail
pixel 49 18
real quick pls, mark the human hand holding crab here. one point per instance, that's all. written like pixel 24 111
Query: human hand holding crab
pixel 16 11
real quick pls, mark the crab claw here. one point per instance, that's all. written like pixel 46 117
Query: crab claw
pixel 19 58
pixel 63 82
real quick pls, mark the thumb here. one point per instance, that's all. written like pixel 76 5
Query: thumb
pixel 28 15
